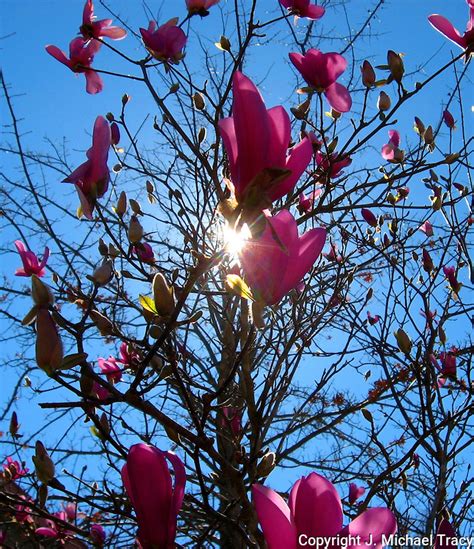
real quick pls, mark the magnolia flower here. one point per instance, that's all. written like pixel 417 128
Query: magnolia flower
pixel 372 319
pixel 448 119
pixel 355 492
pixel 262 169
pixel 92 177
pixel 276 261
pixel 390 151
pixel 442 25
pixel 12 470
pixel 303 8
pixel 232 419
pixel 369 217
pixel 148 483
pixel 144 252
pixel 31 264
pixel 110 368
pixel 306 203
pixel 97 534
pixel 450 273
pixel 102 393
pixel 114 133
pixel 81 55
pixel 448 367
pixel 200 7
pixel 426 228
pixel 314 509
pixel 333 254
pixel 321 70
pixel 164 43
pixel 91 28
pixel 54 529
pixel 333 164
pixel 128 356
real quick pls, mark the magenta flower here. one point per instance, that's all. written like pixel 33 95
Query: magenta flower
pixel 355 492
pixel 31 264
pixel 391 150
pixel 333 254
pixel 333 164
pixel 445 27
pixel 369 217
pixel 92 177
pixel 306 203
pixel 373 319
pixel 128 356
pixel 110 368
pixel 450 274
pixel 97 534
pixel 101 392
pixel 144 252
pixel 314 509
pixel 251 153
pixel 91 28
pixel 147 481
pixel 164 43
pixel 448 119
pixel 200 7
pixel 13 470
pixel 81 55
pixel 275 262
pixel 426 228
pixel 303 8
pixel 321 70
pixel 71 510
pixel 53 529
pixel 232 419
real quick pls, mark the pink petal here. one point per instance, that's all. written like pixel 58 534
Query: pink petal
pixel 88 13
pixel 227 130
pixel 315 12
pixel 274 517
pixel 373 522
pixel 388 152
pixel 94 82
pixel 20 246
pixel 339 97
pixel 316 506
pixel 280 135
pixel 114 33
pixel 59 55
pixel 297 162
pixel 47 532
pixel 394 138
pixel 445 27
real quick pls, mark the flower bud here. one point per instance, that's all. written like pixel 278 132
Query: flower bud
pixel 395 65
pixel 383 102
pixel 449 120
pixel 14 425
pixel 41 292
pixel 114 133
pixel 418 126
pixel 404 342
pixel 121 207
pixel 104 325
pixel 49 347
pixel 163 296
pixel 369 217
pixel 44 466
pixel 135 230
pixel 368 74
pixel 266 465
pixel 198 101
pixel 103 274
pixel 427 262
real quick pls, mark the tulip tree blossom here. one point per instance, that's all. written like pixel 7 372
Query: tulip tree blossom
pixel 262 169
pixel 445 27
pixel 426 228
pixel 110 368
pixel 156 501
pixel 303 8
pixel 31 263
pixel 314 509
pixel 92 177
pixel 164 43
pixel 391 150
pixel 91 28
pixel 321 70
pixel 333 164
pixel 81 56
pixel 274 263
pixel 200 7
pixel 306 202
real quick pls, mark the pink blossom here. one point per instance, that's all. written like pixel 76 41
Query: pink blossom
pixel 164 43
pixel 303 8
pixel 314 509
pixel 333 254
pixel 70 509
pixel 81 56
pixel 31 264
pixel 92 177
pixel 200 7
pixel 91 28
pixel 373 319
pixel 306 203
pixel 97 534
pixel 276 261
pixel 144 252
pixel 426 228
pixel 321 70
pixel 13 469
pixel 252 154
pixel 369 217
pixel 449 119
pixel 232 419
pixel 148 484
pixel 445 27
pixel 448 367
pixel 332 164
pixel 450 273
pixel 355 492
pixel 101 392
pixel 128 356
pixel 391 150
pixel 110 368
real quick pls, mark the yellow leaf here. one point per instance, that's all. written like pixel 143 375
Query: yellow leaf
pixel 236 285
pixel 147 303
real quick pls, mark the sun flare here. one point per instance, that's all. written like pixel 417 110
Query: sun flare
pixel 234 240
